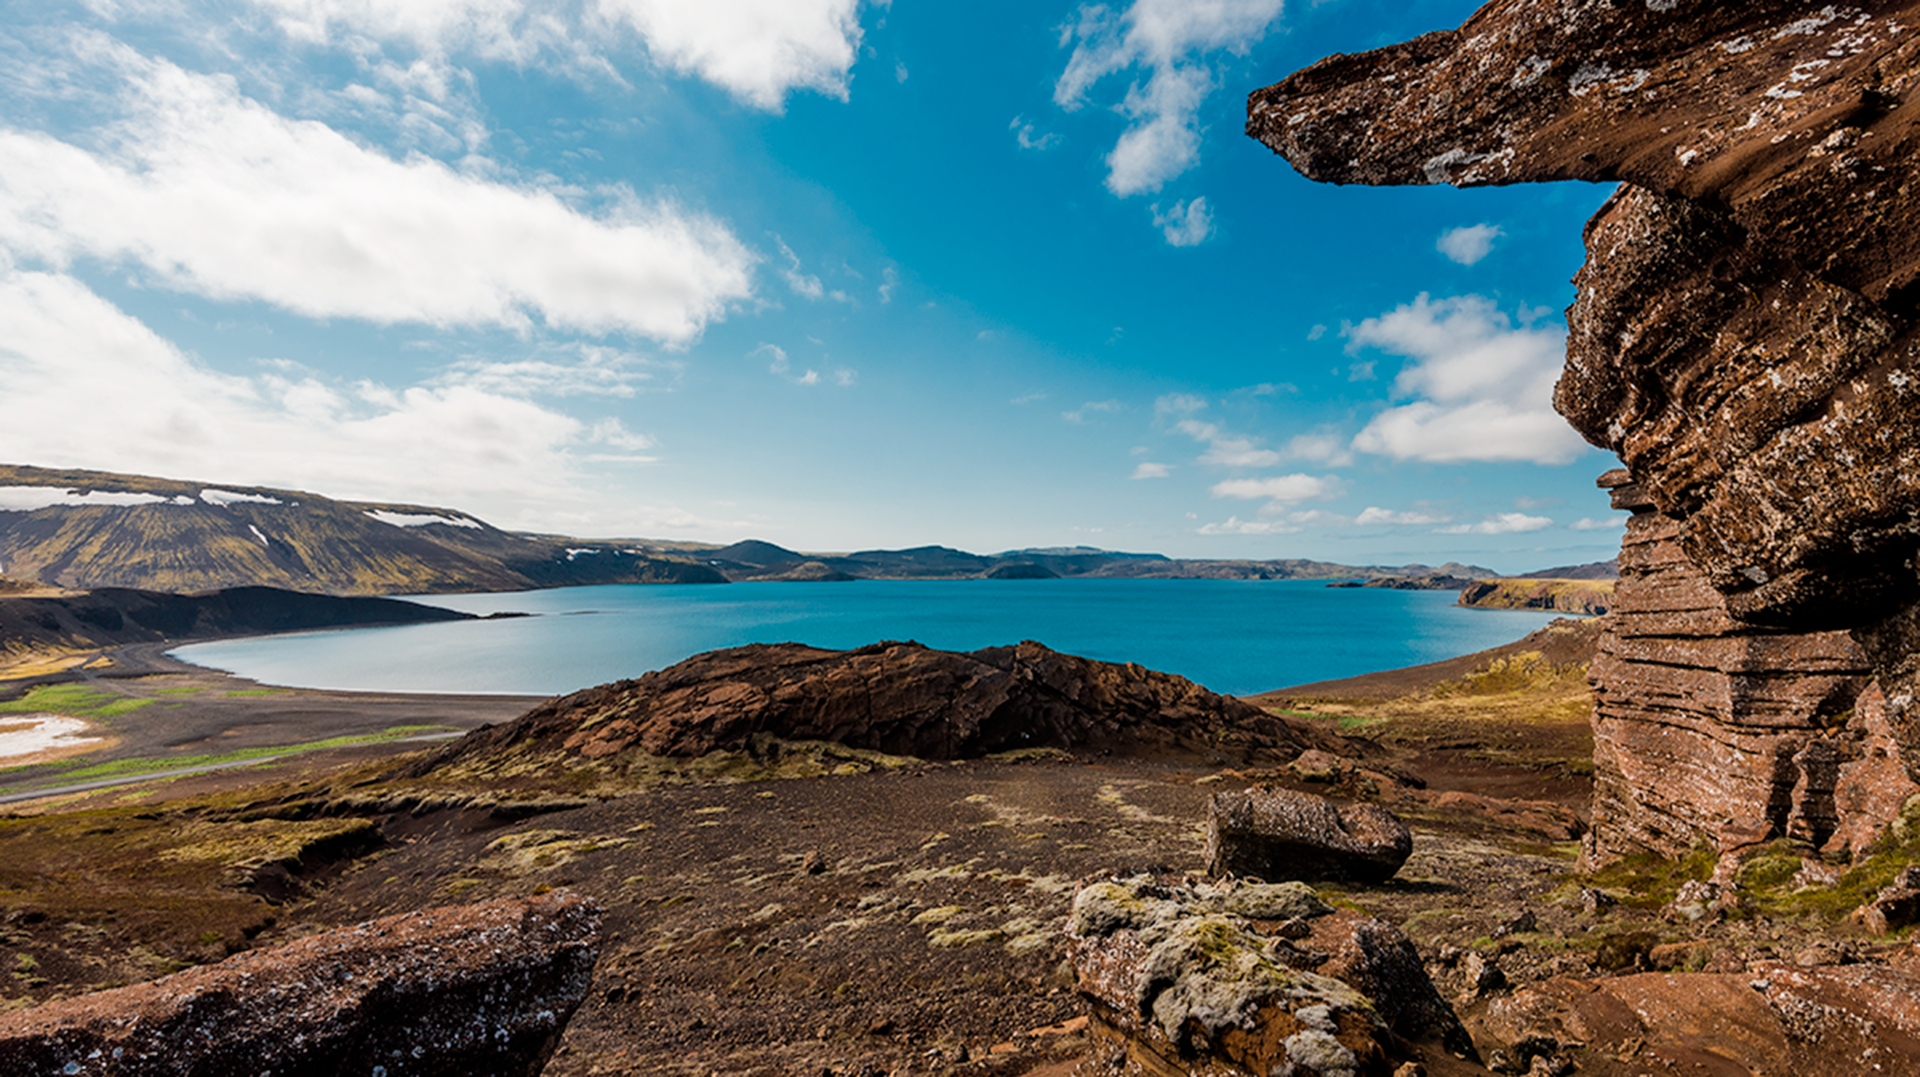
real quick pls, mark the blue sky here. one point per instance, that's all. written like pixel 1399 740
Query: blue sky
pixel 833 274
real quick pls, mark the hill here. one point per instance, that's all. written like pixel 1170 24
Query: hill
pixel 96 529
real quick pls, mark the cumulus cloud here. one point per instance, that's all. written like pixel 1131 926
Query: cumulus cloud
pixel 577 370
pixel 1151 471
pixel 1322 448
pixel 1234 525
pixel 66 348
pixel 1483 385
pixel 1469 244
pixel 757 50
pixel 1187 224
pixel 1505 523
pixel 804 285
pixel 1280 490
pixel 1377 517
pixel 1171 42
pixel 1610 523
pixel 211 193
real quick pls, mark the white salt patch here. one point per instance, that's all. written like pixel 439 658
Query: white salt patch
pixel 417 519
pixel 224 498
pixel 29 498
pixel 33 733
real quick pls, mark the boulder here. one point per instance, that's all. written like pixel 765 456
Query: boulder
pixel 1273 834
pixel 480 989
pixel 897 698
pixel 1184 977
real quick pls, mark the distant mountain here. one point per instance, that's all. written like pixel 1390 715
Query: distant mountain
pixel 1599 570
pixel 95 529
pixel 87 529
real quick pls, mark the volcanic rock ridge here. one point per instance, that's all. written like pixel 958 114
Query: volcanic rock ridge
pixel 900 699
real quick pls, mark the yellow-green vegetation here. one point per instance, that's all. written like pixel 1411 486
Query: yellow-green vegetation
pixel 256 692
pixel 75 700
pixel 1520 710
pixel 1566 596
pixel 180 882
pixel 539 850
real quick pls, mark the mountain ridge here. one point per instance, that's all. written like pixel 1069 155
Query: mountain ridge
pixel 88 529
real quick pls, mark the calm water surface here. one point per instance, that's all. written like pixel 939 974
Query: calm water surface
pixel 1234 636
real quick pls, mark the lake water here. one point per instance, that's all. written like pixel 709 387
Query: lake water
pixel 1233 636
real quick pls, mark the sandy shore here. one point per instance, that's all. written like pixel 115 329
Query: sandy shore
pixel 163 720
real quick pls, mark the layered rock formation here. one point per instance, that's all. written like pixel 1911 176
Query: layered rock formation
pixel 899 698
pixel 1744 338
pixel 483 989
pixel 1705 725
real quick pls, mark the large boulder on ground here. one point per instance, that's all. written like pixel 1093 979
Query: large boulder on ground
pixel 899 698
pixel 1277 834
pixel 1249 978
pixel 460 992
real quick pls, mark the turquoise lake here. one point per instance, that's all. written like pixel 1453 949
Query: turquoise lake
pixel 1233 636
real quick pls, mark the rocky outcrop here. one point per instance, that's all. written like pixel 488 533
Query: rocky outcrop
pixel 1276 834
pixel 483 989
pixel 897 698
pixel 1773 1018
pixel 1706 726
pixel 1744 338
pixel 1245 978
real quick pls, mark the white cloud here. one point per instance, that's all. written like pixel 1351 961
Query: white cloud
pixel 595 371
pixel 1223 449
pixel 1170 39
pixel 1487 385
pixel 1151 471
pixel 1079 414
pixel 756 50
pixel 1469 244
pixel 1588 523
pixel 1323 448
pixel 1505 523
pixel 1179 404
pixel 803 284
pixel 89 386
pixel 211 193
pixel 1280 489
pixel 1238 452
pixel 1234 525
pixel 889 284
pixel 1187 224
pixel 1373 516
pixel 1023 134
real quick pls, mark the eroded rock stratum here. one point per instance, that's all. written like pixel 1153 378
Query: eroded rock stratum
pixel 1744 338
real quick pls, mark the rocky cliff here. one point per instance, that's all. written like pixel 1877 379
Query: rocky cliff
pixel 1745 331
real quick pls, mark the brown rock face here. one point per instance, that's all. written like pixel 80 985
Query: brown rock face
pixel 483 989
pixel 1770 1019
pixel 1243 978
pixel 1744 338
pixel 1277 834
pixel 1706 726
pixel 900 698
